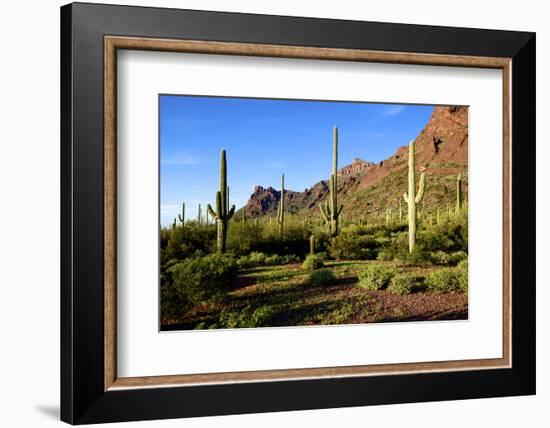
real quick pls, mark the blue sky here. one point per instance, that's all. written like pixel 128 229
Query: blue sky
pixel 264 138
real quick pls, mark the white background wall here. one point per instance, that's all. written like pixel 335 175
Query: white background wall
pixel 29 214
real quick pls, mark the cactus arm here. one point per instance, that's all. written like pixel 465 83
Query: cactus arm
pixel 421 188
pixel 229 215
pixel 340 210
pixel 324 211
pixel 211 211
pixel 406 197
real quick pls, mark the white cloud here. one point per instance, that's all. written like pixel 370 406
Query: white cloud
pixel 393 110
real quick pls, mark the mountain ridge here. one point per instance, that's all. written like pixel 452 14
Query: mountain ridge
pixel 367 187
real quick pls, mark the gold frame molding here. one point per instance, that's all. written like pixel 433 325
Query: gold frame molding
pixel 113 43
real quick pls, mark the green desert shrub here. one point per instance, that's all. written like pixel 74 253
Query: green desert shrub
pixel 448 237
pixel 186 242
pixel 321 277
pixel 200 279
pixel 420 256
pixel 440 257
pixel 443 280
pixel 246 317
pixel 254 259
pixel 278 260
pixel 353 246
pixel 172 302
pixel 313 262
pixel 402 284
pixel 386 255
pixel 462 270
pixel 375 277
pixel 456 257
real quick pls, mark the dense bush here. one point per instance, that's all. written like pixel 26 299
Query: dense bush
pixel 256 259
pixel 456 257
pixel 321 277
pixel 375 277
pixel 440 257
pixel 443 280
pixel 185 242
pixel 200 279
pixel 462 270
pixel 313 262
pixel 403 284
pixel 172 302
pixel 420 256
pixel 353 246
pixel 251 236
pixel 277 260
pixel 448 237
pixel 247 317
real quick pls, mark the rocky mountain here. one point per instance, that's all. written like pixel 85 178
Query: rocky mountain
pixel 367 187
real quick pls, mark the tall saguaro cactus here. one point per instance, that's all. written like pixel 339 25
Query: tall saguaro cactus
pixel 312 245
pixel 330 209
pixel 458 208
pixel 182 215
pixel 199 216
pixel 410 197
pixel 281 207
pixel 222 214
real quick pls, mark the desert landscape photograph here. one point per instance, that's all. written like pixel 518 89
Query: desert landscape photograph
pixel 285 213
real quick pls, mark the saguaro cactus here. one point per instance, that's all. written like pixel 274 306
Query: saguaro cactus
pixel 330 209
pixel 222 213
pixel 400 211
pixel 458 208
pixel 182 215
pixel 312 245
pixel 281 207
pixel 199 216
pixel 410 197
pixel 174 224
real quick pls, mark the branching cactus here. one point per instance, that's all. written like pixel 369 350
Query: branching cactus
pixel 330 209
pixel 458 208
pixel 182 215
pixel 410 197
pixel 312 245
pixel 281 207
pixel 222 213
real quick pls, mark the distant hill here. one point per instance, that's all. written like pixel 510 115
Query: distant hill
pixel 366 187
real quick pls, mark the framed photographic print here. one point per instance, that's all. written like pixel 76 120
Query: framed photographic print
pixel 266 213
